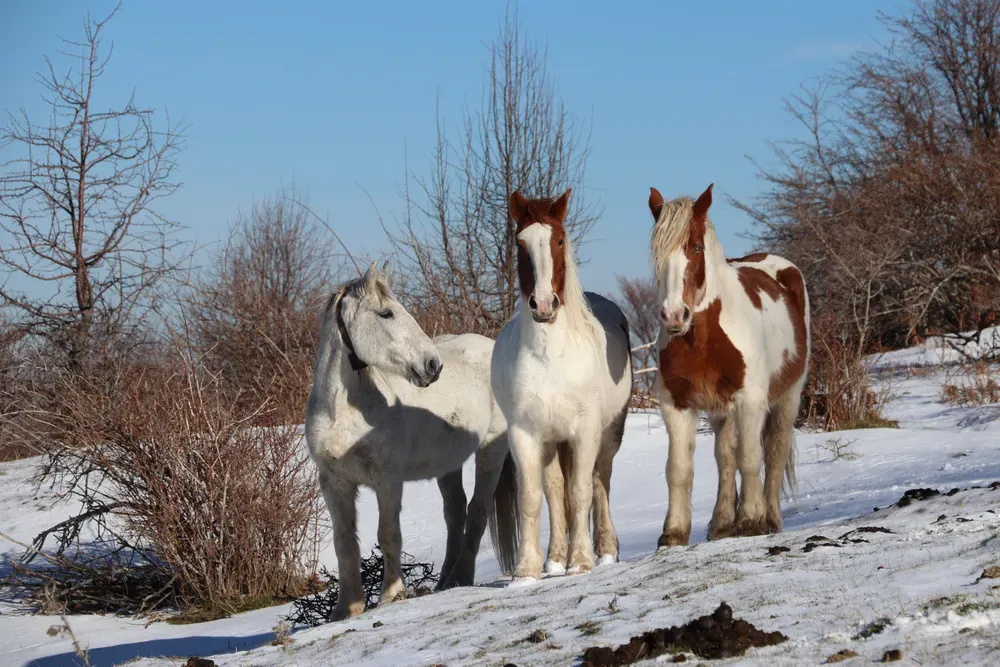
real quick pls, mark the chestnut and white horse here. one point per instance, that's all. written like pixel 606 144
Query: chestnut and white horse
pixel 734 342
pixel 562 375
pixel 388 406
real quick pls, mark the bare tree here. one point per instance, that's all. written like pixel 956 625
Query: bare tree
pixel 253 315
pixel 456 244
pixel 891 202
pixel 77 197
pixel 641 306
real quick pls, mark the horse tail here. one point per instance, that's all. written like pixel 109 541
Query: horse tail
pixel 505 517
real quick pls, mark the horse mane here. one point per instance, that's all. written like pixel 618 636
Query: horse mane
pixel 671 230
pixel 579 315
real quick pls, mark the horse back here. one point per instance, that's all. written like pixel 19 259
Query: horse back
pixel 616 330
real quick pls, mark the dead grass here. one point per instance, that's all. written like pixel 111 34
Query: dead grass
pixel 972 383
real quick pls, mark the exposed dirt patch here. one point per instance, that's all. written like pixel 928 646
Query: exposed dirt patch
pixel 893 655
pixel 815 545
pixel 873 628
pixel 916 494
pixel 199 662
pixel 714 636
pixel 774 551
pixel 840 656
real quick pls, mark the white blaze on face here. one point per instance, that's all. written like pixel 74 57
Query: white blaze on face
pixel 537 240
pixel 674 313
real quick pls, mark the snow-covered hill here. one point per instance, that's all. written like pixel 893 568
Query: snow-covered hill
pixel 916 579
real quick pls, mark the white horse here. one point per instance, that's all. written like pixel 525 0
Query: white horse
pixel 387 406
pixel 562 375
pixel 734 342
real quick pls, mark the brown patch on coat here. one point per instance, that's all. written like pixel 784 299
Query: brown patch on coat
pixel 792 370
pixel 787 286
pixel 751 258
pixel 550 212
pixel 702 369
pixel 694 251
pixel 755 281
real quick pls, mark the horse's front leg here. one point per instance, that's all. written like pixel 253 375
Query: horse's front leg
pixel 581 498
pixel 724 514
pixel 527 451
pixel 750 514
pixel 453 497
pixel 555 479
pixel 390 538
pixel 341 501
pixel 681 427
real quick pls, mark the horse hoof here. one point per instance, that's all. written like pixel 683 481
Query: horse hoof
pixel 579 569
pixel 554 568
pixel 673 539
pixel 720 533
pixel 750 528
pixel 607 559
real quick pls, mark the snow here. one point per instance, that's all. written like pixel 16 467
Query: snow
pixel 921 577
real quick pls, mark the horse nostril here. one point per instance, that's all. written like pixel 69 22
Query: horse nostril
pixel 663 314
pixel 687 313
pixel 555 301
pixel 433 367
pixel 532 303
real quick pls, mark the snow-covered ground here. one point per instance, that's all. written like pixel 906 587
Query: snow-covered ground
pixel 920 575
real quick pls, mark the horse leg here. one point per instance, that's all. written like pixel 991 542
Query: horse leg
pixel 555 478
pixel 341 500
pixel 581 498
pixel 724 514
pixel 453 495
pixel 527 451
pixel 390 538
pixel 779 459
pixel 750 514
pixel 681 428
pixel 489 466
pixel 605 537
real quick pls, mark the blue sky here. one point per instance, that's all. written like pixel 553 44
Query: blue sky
pixel 330 94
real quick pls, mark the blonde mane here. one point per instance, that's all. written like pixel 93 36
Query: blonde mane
pixel 670 233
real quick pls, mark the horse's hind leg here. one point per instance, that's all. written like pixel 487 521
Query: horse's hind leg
pixel 556 472
pixel 750 514
pixel 341 501
pixel 724 515
pixel 489 465
pixel 605 537
pixel 390 538
pixel 453 495
pixel 779 459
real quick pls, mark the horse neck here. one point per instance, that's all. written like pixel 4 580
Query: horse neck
pixel 344 385
pixel 720 277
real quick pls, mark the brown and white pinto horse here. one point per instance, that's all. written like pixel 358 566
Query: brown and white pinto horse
pixel 734 342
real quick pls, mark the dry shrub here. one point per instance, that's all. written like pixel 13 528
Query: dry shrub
pixel 974 383
pixel 640 303
pixel 253 314
pixel 174 471
pixel 839 394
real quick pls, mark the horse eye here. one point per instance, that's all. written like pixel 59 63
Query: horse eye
pixel 385 314
pixel 560 243
pixel 697 248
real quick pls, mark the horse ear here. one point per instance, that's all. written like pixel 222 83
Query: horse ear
pixel 518 207
pixel 704 203
pixel 558 208
pixel 385 269
pixel 655 203
pixel 370 274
